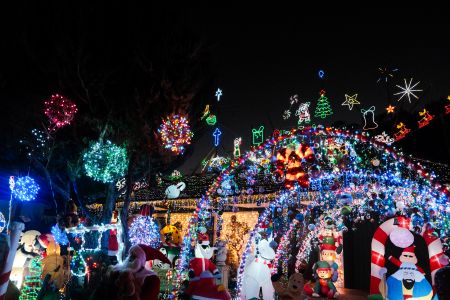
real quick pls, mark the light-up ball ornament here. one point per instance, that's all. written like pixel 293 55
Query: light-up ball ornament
pixel 105 161
pixel 311 227
pixel 144 230
pixel 401 237
pixel 175 133
pixel 25 189
pixel 2 222
pixel 60 111
pixel 321 74
pixel 400 205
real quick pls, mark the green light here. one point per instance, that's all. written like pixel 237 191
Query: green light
pixel 323 108
pixel 32 283
pixel 105 162
pixel 211 120
pixel 258 135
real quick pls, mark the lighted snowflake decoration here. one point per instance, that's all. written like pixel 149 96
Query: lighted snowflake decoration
pixel 105 161
pixel 384 138
pixel 25 189
pixel 408 90
pixel 60 111
pixel 385 74
pixel 144 230
pixel 175 133
pixel 286 114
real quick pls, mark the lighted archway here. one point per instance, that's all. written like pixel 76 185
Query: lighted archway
pixel 343 161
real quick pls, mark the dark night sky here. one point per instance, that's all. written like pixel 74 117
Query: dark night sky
pixel 260 59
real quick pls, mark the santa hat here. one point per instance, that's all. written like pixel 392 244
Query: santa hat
pixel 328 247
pixel 409 249
pixel 145 253
pixel 203 239
pixel 44 239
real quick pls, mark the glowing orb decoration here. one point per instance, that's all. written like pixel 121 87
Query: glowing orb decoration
pixel 105 161
pixel 59 235
pixel 60 111
pixel 144 230
pixel 175 133
pixel 2 222
pixel 25 189
pixel 401 237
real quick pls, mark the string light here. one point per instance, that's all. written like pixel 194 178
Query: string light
pixel 59 235
pixel 32 284
pixel 105 161
pixel 211 120
pixel 350 101
pixel 175 133
pixel 60 111
pixel 258 135
pixel 144 230
pixel 323 108
pixel 237 147
pixel 390 109
pixel 303 113
pixel 426 118
pixel 216 134
pixel 369 118
pixel 81 230
pixel 218 94
pixel 408 90
pixel 25 189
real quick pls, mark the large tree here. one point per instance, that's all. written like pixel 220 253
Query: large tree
pixel 124 71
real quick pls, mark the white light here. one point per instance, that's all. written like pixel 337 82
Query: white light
pixel 408 90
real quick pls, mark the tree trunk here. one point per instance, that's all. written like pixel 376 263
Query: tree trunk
pixel 107 212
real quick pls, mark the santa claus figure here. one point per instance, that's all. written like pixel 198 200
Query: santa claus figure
pixel 145 281
pixel 204 287
pixel 203 254
pixel 408 256
pixel 408 283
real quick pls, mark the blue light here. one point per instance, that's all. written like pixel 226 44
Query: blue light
pixel 59 235
pixel 321 74
pixel 25 189
pixel 216 135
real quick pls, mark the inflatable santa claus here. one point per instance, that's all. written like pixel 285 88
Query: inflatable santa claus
pixel 146 282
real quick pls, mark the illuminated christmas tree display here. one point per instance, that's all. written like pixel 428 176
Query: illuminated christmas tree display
pixel 323 108
pixel 144 230
pixel 32 284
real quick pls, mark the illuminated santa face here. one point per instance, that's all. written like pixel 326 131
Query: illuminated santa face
pixel 408 257
pixel 324 273
pixel 328 255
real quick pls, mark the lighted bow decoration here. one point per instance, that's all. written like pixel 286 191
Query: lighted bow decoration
pixel 289 165
pixel 426 118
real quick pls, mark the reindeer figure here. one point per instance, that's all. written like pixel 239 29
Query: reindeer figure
pixel 426 118
pixel 402 131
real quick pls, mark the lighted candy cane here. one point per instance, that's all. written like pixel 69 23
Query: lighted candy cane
pixel 5 270
pixel 434 245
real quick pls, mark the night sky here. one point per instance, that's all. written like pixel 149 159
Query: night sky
pixel 258 59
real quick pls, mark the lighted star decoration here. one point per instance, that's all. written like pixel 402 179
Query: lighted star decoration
pixel 350 101
pixel 385 74
pixel 408 90
pixel 390 109
pixel 218 94
pixel 286 114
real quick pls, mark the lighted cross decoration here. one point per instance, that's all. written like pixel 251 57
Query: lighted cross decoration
pixel 350 101
pixel 216 135
pixel 218 94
